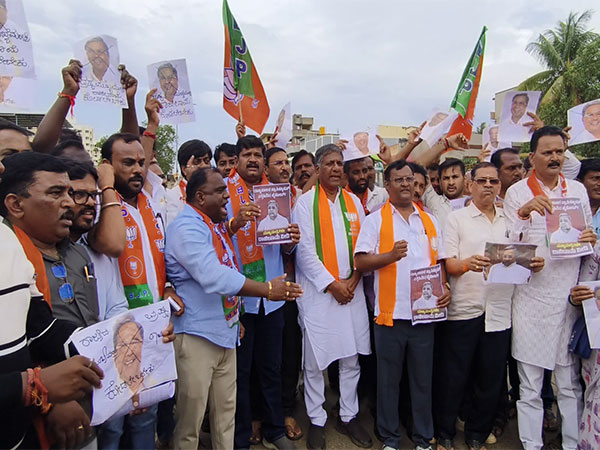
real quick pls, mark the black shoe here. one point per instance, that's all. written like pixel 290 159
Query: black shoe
pixel 448 444
pixel 354 430
pixel 316 438
pixel 474 444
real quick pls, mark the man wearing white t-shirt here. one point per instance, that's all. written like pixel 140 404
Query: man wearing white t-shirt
pixel 427 300
pixel 566 232
pixel 508 271
pixel 274 220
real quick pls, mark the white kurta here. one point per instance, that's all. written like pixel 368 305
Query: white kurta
pixel 335 331
pixel 542 316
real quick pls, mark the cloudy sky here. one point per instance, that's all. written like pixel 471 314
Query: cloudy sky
pixel 347 63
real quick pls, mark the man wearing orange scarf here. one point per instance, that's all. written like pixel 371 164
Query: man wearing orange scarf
pixel 542 318
pixel 394 240
pixel 332 311
pixel 263 320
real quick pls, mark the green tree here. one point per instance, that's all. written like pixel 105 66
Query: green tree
pixel 558 51
pixel 164 148
pixel 482 126
pixel 571 54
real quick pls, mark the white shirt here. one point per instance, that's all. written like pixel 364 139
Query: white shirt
pixel 582 137
pixel 418 256
pixel 376 197
pixel 439 205
pixel 513 274
pixel 273 224
pixel 542 317
pixel 111 294
pixel 158 198
pixel 466 233
pixel 560 236
pixel 515 132
pixel 571 165
pixel 174 203
pixel 335 331
pixel 423 303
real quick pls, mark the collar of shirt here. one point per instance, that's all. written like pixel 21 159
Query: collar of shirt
pixel 475 212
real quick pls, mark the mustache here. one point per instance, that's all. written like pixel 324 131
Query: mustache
pixel 136 178
pixel 87 209
pixel 68 215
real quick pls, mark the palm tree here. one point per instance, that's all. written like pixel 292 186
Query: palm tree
pixel 557 50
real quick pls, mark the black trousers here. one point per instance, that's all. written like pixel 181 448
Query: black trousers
pixel 291 359
pixel 470 366
pixel 395 345
pixel 261 347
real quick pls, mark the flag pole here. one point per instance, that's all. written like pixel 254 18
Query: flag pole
pixel 240 109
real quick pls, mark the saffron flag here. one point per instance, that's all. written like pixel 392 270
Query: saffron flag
pixel 466 94
pixel 244 98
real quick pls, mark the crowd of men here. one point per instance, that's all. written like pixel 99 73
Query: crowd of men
pixel 255 322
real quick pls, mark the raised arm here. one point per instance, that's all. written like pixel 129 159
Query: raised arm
pixel 51 125
pixel 129 83
pixel 455 142
pixel 108 236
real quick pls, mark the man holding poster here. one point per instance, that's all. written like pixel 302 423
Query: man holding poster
pixel 474 342
pixel 262 346
pixel 542 319
pixel 383 247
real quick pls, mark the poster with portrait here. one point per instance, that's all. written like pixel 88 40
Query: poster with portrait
pixel 16 54
pixel 100 76
pixel 170 79
pixel 563 227
pixel 514 115
pixel 130 351
pixel 17 93
pixel 361 143
pixel 591 312
pixel 437 125
pixel 491 139
pixel 584 121
pixel 425 289
pixel 283 126
pixel 275 213
pixel 509 263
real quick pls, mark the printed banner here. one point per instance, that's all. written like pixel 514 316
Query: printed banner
pixel 275 213
pixel 130 351
pixel 425 289
pixel 563 227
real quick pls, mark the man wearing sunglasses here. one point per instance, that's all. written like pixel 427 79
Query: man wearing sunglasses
pixel 474 342
pixel 36 201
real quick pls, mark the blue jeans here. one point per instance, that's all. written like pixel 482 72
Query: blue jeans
pixel 141 431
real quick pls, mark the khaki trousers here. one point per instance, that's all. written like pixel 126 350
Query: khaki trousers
pixel 206 374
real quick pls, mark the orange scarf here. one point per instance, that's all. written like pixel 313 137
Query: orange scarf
pixel 294 192
pixel 253 264
pixel 324 236
pixel 182 185
pixel 220 238
pixel 387 274
pixel 35 258
pixel 363 198
pixel 132 265
pixel 537 190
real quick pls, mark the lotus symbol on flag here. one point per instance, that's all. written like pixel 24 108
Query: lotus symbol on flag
pixel 229 91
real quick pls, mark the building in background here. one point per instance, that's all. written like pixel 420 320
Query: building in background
pixel 31 122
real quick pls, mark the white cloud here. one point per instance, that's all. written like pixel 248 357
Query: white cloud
pixel 348 63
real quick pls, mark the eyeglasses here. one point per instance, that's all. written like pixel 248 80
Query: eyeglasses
pixel 400 180
pixel 590 115
pixel 81 197
pixel 483 181
pixel 65 291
